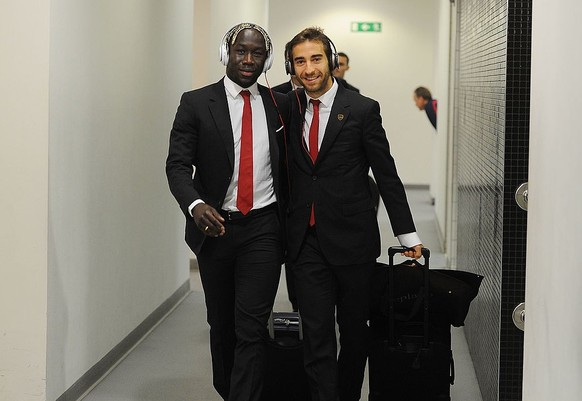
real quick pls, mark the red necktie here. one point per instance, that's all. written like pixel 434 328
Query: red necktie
pixel 314 146
pixel 314 131
pixel 244 199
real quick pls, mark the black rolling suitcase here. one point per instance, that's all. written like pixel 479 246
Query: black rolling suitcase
pixel 410 355
pixel 285 378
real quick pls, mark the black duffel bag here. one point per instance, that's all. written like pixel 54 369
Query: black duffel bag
pixel 451 292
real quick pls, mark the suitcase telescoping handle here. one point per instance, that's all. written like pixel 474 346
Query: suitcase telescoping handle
pixel 393 250
pixel 284 321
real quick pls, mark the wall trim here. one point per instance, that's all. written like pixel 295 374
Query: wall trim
pixel 102 368
pixel 417 186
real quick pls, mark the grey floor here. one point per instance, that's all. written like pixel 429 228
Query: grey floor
pixel 173 362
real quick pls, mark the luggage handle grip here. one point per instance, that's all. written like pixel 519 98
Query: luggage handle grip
pixel 285 321
pixel 393 250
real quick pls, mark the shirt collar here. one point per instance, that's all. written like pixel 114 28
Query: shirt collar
pixel 233 89
pixel 327 98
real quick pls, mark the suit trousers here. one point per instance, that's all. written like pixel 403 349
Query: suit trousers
pixel 322 289
pixel 240 274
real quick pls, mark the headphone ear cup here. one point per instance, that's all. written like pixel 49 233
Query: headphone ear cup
pixel 334 61
pixel 333 57
pixel 268 62
pixel 289 67
pixel 223 51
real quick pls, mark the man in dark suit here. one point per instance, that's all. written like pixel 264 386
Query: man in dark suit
pixel 336 135
pixel 231 132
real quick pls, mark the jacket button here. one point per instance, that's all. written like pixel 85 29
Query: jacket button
pixel 314 177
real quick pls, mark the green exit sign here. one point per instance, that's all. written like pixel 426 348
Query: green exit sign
pixel 366 27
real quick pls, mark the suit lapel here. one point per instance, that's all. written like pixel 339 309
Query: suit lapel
pixel 340 112
pixel 219 111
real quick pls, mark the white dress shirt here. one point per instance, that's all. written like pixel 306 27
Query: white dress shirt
pixel 326 101
pixel 263 190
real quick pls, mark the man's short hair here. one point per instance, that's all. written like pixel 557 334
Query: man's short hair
pixel 423 92
pixel 342 54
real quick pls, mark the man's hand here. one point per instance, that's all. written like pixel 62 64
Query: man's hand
pixel 413 252
pixel 208 220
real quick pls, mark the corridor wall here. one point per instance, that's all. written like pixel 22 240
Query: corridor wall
pixel 115 235
pixel 91 241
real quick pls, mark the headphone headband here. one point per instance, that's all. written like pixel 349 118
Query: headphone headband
pixel 332 58
pixel 230 37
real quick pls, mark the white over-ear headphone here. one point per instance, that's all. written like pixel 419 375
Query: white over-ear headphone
pixel 231 35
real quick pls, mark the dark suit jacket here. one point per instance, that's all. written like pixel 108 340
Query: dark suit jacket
pixel 431 111
pixel 346 222
pixel 346 85
pixel 202 137
pixel 283 88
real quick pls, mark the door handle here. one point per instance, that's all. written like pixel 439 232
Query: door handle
pixel 519 316
pixel 521 196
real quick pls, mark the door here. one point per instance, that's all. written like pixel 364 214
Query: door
pixel 553 325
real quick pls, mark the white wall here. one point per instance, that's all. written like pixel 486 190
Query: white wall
pixel 386 66
pixel 553 327
pixel 24 93
pixel 115 235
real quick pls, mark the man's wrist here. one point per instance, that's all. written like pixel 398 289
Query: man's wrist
pixel 409 240
pixel 193 205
